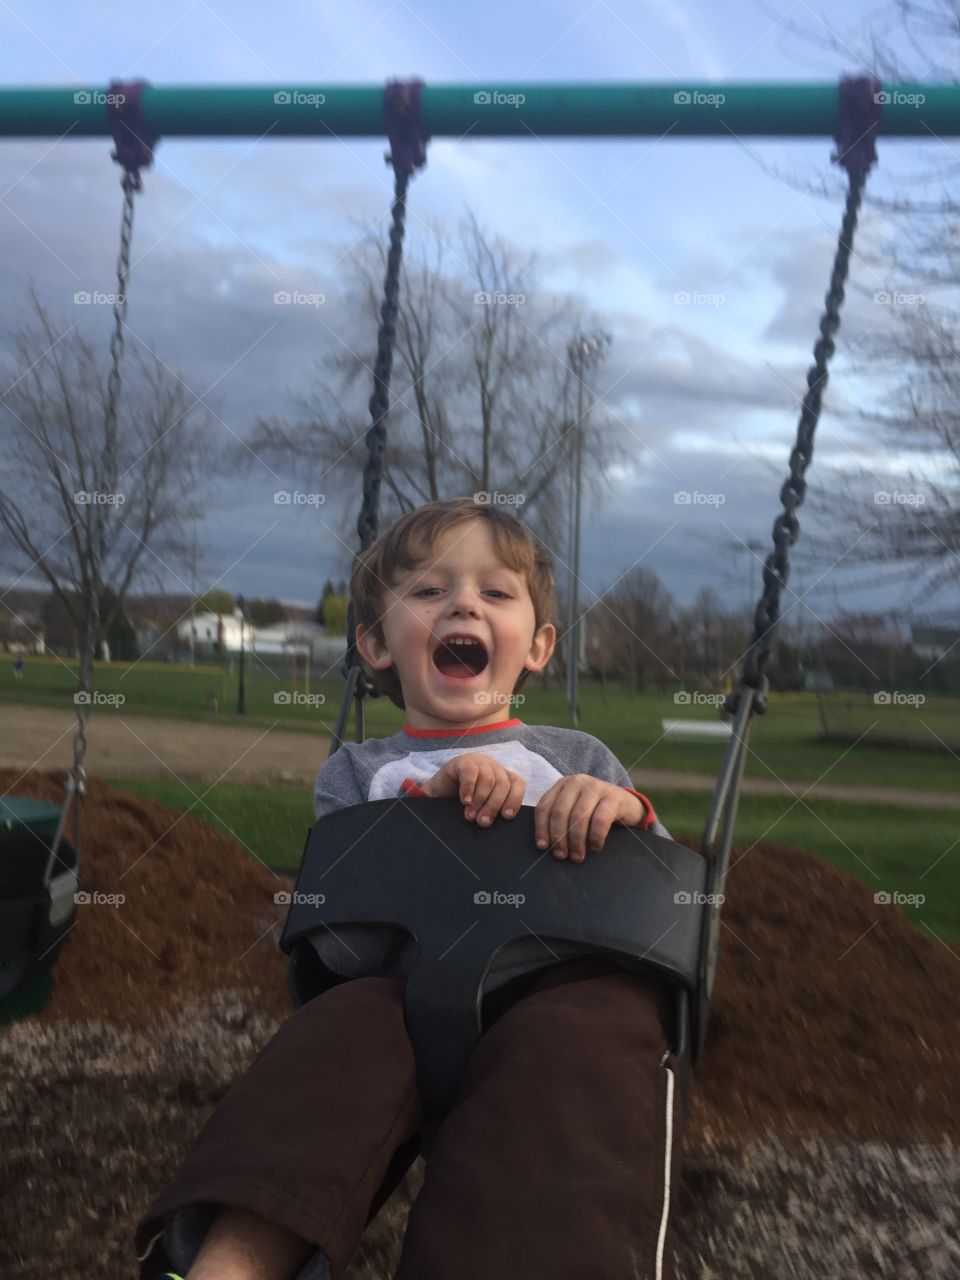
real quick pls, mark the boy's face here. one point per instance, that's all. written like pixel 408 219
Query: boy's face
pixel 461 589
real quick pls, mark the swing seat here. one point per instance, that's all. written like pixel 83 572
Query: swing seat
pixel 464 893
pixel 37 905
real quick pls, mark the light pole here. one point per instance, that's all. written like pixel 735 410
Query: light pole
pixel 583 353
pixel 241 693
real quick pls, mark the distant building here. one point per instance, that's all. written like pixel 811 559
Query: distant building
pixel 214 635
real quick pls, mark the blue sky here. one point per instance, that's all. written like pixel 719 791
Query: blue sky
pixel 625 223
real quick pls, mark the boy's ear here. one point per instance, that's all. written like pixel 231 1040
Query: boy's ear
pixel 371 650
pixel 541 650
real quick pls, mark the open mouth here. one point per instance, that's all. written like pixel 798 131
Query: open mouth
pixel 460 657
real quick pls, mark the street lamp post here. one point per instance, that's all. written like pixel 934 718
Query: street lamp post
pixel 241 693
pixel 583 352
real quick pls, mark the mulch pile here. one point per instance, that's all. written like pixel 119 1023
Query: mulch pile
pixel 833 1018
pixel 198 914
pixel 831 1014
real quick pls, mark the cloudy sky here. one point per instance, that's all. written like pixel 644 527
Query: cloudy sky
pixel 709 391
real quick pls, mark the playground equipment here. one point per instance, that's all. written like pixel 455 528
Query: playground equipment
pixel 36 903
pixel 630 904
pixel 649 904
pixel 38 910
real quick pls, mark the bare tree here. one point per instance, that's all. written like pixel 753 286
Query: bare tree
pixel 632 631
pixel 88 509
pixel 905 527
pixel 483 396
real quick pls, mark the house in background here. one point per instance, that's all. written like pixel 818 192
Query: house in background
pixel 216 635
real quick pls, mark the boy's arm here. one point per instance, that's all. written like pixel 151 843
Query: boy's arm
pixel 338 784
pixel 605 765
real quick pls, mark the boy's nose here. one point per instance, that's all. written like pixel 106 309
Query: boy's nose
pixel 466 607
pixel 464 600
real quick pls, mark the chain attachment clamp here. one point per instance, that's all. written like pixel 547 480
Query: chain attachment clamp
pixel 132 140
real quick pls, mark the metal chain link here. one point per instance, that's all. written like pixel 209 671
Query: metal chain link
pixel 359 684
pixel 90 627
pixel 786 527
pixel 119 312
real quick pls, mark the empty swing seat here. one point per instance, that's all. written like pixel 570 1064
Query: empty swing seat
pixel 465 893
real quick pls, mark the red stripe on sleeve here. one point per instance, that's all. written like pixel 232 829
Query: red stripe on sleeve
pixel 414 789
pixel 649 817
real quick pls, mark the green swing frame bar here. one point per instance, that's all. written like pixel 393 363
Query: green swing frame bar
pixel 705 109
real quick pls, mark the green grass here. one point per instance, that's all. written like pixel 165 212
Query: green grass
pixel 270 823
pixel 890 849
pixel 784 742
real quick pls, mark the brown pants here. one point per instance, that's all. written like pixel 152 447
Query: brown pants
pixel 559 1160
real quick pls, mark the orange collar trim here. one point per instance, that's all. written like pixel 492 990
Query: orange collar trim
pixel 460 733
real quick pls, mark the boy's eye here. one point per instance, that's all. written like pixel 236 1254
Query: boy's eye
pixel 422 591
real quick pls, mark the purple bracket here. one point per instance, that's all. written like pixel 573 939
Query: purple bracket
pixel 408 143
pixel 133 140
pixel 858 121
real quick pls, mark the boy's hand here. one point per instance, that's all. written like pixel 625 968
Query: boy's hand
pixel 483 785
pixel 578 811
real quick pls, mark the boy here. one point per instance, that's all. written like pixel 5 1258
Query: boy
pixel 557 1159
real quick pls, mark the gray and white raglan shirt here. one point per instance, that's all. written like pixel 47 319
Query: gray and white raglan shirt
pixel 386 768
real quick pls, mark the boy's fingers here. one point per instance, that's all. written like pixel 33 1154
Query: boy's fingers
pixel 499 792
pixel 603 819
pixel 467 770
pixel 560 816
pixel 481 787
pixel 580 817
pixel 541 815
pixel 515 796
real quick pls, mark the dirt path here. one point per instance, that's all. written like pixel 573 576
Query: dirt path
pixel 132 746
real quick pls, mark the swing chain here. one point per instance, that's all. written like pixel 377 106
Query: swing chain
pixel 134 145
pixel 379 406
pixel 859 119
pixel 119 314
pixel 407 153
pixel 76 778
